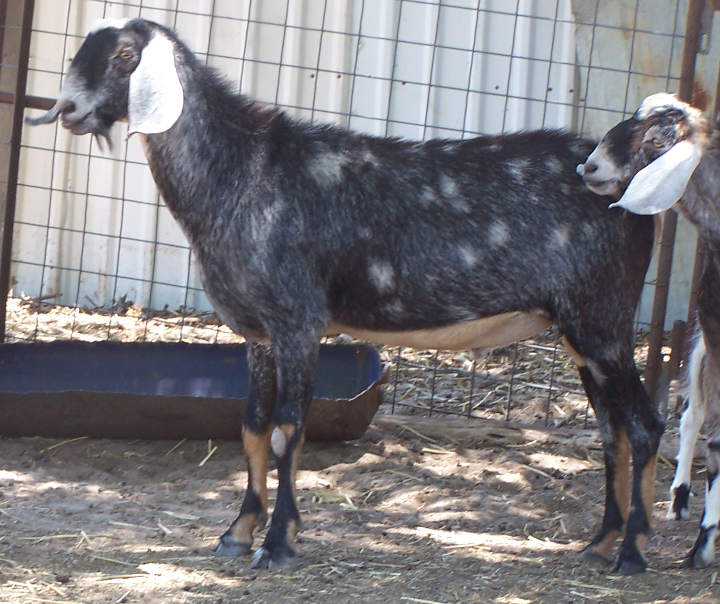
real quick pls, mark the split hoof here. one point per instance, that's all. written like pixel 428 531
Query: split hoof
pixel 272 560
pixel 630 566
pixel 227 546
pixel 679 508
pixel 590 555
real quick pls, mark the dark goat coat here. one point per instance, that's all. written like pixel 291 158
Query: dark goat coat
pixel 302 229
pixel 313 207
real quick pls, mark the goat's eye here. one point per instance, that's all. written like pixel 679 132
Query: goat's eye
pixel 657 143
pixel 125 55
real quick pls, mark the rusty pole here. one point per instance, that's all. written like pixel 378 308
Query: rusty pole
pixel 667 241
pixel 14 161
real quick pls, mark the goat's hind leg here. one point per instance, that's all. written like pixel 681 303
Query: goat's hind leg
pixel 645 427
pixel 690 424
pixel 237 540
pixel 703 552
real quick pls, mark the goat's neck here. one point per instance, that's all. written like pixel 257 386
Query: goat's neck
pixel 701 202
pixel 205 158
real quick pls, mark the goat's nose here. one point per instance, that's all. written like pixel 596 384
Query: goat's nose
pixel 589 167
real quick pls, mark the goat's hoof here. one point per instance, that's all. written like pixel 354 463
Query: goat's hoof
pixel 695 560
pixel 590 555
pixel 227 546
pixel 630 566
pixel 679 508
pixel 272 560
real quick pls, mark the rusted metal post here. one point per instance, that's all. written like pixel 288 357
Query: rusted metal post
pixel 8 213
pixel 667 241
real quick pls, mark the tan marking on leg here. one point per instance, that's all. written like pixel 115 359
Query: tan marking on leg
pixel 296 456
pixel 292 530
pixel 257 449
pixel 648 487
pixel 604 547
pixel 242 529
pixel 621 481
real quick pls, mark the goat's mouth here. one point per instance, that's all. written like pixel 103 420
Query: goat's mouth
pixel 88 124
pixel 604 187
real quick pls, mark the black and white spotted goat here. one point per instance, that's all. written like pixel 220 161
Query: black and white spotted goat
pixel 669 152
pixel 303 230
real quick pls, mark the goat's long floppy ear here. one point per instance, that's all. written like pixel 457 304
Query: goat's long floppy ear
pixel 156 97
pixel 661 183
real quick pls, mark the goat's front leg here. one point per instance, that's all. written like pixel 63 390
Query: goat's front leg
pixel 616 452
pixel 296 361
pixel 237 540
pixel 703 552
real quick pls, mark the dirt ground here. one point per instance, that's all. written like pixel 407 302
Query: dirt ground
pixel 418 510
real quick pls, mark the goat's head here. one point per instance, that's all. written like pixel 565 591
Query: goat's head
pixel 124 70
pixel 647 160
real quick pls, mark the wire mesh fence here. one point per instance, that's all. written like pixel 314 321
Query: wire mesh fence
pixel 96 254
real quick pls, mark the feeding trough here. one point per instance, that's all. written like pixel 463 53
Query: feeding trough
pixel 167 391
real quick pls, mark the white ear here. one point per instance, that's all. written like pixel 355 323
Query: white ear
pixel 660 184
pixel 156 97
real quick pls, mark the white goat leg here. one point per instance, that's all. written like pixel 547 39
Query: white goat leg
pixel 703 552
pixel 690 424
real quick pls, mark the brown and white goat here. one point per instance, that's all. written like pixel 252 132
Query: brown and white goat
pixel 304 229
pixel 668 152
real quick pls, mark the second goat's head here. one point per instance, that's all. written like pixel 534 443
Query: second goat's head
pixel 124 70
pixel 646 161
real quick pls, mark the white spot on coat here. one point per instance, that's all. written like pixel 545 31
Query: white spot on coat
pixel 468 255
pixel 560 237
pixel 427 196
pixel 448 187
pixel 261 225
pixel 553 164
pixel 326 168
pixel 382 276
pixel 498 233
pixel 517 168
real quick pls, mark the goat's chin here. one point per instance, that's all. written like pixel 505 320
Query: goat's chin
pixel 90 126
pixel 608 187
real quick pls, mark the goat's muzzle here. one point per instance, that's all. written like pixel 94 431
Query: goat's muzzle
pixel 60 107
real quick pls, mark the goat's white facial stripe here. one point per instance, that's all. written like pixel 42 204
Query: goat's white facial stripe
pixel 660 101
pixel 382 275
